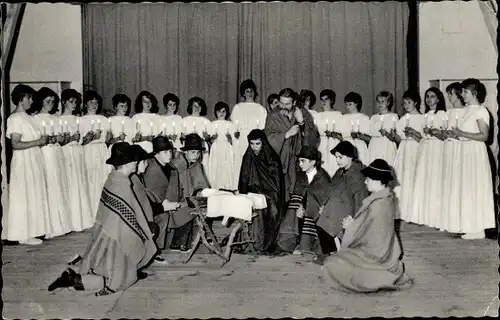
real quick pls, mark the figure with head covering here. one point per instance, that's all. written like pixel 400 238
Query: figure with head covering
pixel 309 194
pixel 121 243
pixel 261 173
pixel 162 182
pixel 288 130
pixel 370 258
pixel 346 193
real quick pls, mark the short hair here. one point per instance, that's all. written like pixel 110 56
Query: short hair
pixel 478 89
pixel 122 98
pixel 171 97
pixel 330 95
pixel 355 98
pixel 271 97
pixel 248 84
pixel 89 96
pixel 219 106
pixel 389 97
pixel 68 94
pixel 200 102
pixel 20 92
pixel 304 94
pixel 40 95
pixel 414 96
pixel 441 105
pixel 138 102
pixel 288 93
pixel 456 88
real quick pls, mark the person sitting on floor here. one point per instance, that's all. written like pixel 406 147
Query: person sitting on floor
pixel 121 243
pixel 369 259
pixel 347 191
pixel 162 179
pixel 261 173
pixel 309 194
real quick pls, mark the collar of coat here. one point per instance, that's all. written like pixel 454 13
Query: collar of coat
pixel 382 194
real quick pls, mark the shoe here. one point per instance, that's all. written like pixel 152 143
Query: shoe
pixel 180 248
pixel 160 260
pixel 141 275
pixel 474 235
pixel 319 260
pixel 31 242
pixel 104 292
pixel 297 252
pixel 66 280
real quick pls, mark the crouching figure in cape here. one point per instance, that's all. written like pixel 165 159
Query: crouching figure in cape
pixel 121 243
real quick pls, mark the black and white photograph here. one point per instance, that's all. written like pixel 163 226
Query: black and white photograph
pixel 259 159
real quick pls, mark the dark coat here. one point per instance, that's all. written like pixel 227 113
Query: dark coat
pixel 315 194
pixel 346 193
pixel 192 177
pixel 165 187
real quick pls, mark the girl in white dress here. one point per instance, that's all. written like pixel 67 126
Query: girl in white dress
pixel 121 125
pixel 329 123
pixel 428 184
pixel 452 166
pixel 382 144
pixel 28 210
pixel 273 101
pixel 246 116
pixel 409 132
pixel 477 212
pixel 58 222
pixel 221 162
pixel 355 124
pixel 146 120
pixel 94 148
pixel 172 122
pixel 82 216
pixel 197 123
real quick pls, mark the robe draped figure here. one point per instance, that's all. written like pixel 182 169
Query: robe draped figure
pixel 192 176
pixel 121 242
pixel 370 257
pixel 263 174
pixel 311 196
pixel 277 124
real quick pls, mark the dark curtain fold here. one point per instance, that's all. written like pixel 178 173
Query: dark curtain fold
pixel 412 46
pixel 206 50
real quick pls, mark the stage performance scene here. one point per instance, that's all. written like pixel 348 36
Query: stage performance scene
pixel 249 160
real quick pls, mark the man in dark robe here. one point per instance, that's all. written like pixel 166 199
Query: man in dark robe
pixel 162 178
pixel 121 243
pixel 288 129
pixel 309 195
pixel 346 193
pixel 261 173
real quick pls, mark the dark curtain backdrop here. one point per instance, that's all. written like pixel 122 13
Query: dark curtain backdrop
pixel 206 50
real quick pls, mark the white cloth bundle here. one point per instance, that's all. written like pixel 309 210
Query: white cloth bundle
pixel 228 205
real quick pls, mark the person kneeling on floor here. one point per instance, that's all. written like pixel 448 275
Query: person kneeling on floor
pixel 121 243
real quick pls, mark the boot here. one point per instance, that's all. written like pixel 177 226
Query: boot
pixel 66 280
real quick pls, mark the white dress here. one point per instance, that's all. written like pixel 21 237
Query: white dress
pixel 406 162
pixel 246 116
pixel 452 171
pixel 357 122
pixel 221 165
pixel 172 125
pixel 28 210
pixel 82 216
pixel 428 184
pixel 147 124
pixel 380 147
pixel 198 124
pixel 478 212
pixel 59 221
pixel 96 153
pixel 328 121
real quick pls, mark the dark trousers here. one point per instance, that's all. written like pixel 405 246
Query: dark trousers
pixel 327 242
pixel 183 235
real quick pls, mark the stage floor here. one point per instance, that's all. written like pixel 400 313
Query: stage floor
pixel 453 277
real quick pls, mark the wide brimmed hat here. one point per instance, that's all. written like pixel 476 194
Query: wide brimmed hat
pixel 309 152
pixel 121 153
pixel 193 142
pixel 161 143
pixel 379 169
pixel 139 153
pixel 345 148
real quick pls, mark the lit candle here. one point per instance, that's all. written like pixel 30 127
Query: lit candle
pixel 432 122
pixel 445 121
pixel 99 127
pixel 138 126
pixel 66 125
pixel 91 125
pixel 425 120
pixel 357 124
pixel 333 125
pixel 456 121
pixel 326 125
pixel 151 128
pixel 352 125
pixel 109 125
pixel 237 126
pixel 123 126
pixel 163 130
pixel 194 126
pixel 382 122
pixel 61 126
pixel 173 127
pixel 407 119
pixel 227 127
pixel 394 119
pixel 52 125
pixel 216 128
pixel 44 131
pixel 258 122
